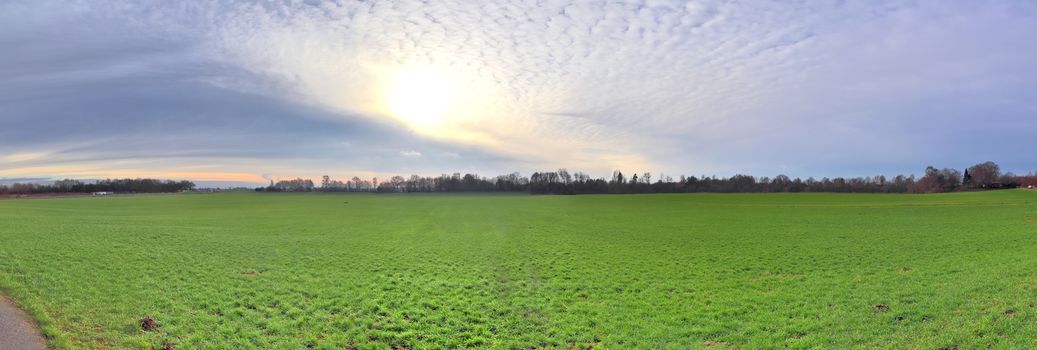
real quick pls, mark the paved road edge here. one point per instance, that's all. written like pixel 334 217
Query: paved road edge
pixel 17 330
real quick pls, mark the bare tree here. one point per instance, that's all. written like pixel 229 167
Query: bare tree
pixel 984 174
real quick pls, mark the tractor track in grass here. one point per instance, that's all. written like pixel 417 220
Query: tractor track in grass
pixel 17 331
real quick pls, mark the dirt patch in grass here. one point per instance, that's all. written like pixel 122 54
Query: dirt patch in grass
pixel 168 346
pixel 719 344
pixel 148 324
pixel 1008 313
pixel 880 308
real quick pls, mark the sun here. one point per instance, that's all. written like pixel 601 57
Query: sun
pixel 446 102
pixel 423 99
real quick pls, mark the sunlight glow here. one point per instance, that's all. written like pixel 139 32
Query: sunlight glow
pixel 445 102
pixel 424 99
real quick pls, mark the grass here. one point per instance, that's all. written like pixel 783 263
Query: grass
pixel 295 271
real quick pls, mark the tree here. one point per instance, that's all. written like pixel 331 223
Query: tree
pixel 564 176
pixel 983 174
pixel 617 177
pixel 294 185
pixel 397 182
pixel 936 180
pixel 780 183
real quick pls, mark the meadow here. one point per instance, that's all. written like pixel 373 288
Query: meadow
pixel 680 271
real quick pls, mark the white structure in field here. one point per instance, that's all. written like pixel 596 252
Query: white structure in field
pixel 103 193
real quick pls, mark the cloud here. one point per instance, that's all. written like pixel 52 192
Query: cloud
pixel 672 86
pixel 410 153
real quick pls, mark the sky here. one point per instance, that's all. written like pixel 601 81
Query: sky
pixel 252 91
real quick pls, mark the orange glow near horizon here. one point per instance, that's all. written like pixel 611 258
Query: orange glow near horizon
pixel 207 176
pixel 92 173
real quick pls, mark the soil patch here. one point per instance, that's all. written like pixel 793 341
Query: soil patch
pixel 880 308
pixel 148 324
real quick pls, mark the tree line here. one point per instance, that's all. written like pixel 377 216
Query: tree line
pixel 107 185
pixel 985 175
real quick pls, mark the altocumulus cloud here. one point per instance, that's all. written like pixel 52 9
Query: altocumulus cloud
pixel 234 89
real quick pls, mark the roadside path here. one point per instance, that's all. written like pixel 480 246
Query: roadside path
pixel 17 332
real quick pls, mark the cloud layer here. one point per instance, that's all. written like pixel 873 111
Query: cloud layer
pixel 231 90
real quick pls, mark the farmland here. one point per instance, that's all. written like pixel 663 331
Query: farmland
pixel 334 271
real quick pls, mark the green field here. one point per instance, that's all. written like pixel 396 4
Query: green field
pixel 332 271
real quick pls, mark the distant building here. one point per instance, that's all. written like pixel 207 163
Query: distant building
pixel 103 193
